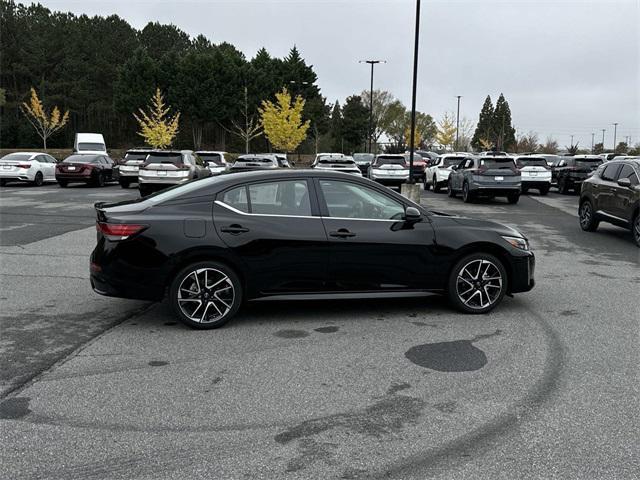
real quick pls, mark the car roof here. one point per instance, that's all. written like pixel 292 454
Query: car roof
pixel 28 153
pixel 211 151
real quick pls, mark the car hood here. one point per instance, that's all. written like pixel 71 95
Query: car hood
pixel 478 224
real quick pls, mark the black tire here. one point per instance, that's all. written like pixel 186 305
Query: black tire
pixel 124 183
pixel 63 183
pixel 456 290
pixel 467 196
pixel 38 179
pixel 219 301
pixel 525 190
pixel 587 217
pixel 635 229
pixel 450 192
pixel 513 198
pixel 426 185
pixel 144 192
pixel 99 180
pixel 436 187
pixel 544 190
pixel 3 182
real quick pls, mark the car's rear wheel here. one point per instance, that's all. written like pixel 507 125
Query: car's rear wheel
pixel 544 190
pixel 450 191
pixel 206 295
pixel 635 229
pixel 563 188
pixel 426 184
pixel 124 183
pixel 436 186
pixel 63 183
pixel 38 180
pixel 513 198
pixel 99 180
pixel 3 182
pixel 588 221
pixel 477 283
pixel 467 196
pixel 525 189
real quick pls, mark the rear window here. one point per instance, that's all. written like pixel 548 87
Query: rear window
pixel 499 162
pixel 174 158
pixel 212 157
pixel 391 161
pixel 589 162
pixel 135 156
pixel 17 156
pixel 336 160
pixel 448 161
pixel 82 159
pixel 531 162
pixel 254 160
pixel 90 146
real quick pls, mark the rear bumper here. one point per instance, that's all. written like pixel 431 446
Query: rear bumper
pixel 23 176
pixel 522 274
pixel 536 183
pixel 74 177
pixel 160 181
pixel 495 190
pixel 391 181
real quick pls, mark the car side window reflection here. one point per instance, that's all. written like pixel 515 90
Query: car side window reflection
pixel 237 198
pixel 349 200
pixel 627 171
pixel 287 197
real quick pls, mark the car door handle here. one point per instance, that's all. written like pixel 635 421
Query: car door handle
pixel 234 229
pixel 342 233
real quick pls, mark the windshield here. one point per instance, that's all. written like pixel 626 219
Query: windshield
pixel 91 146
pixel 164 158
pixel 531 162
pixel 502 162
pixel 17 156
pixel 212 157
pixel 82 159
pixel 449 161
pixel 390 161
pixel 363 157
pixel 589 162
pixel 254 160
pixel 336 160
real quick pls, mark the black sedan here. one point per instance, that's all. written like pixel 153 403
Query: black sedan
pixel 213 243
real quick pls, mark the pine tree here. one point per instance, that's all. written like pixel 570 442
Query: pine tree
pixel 505 134
pixel 484 130
pixel 335 127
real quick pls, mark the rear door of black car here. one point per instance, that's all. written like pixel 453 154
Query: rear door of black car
pixel 274 228
pixel 371 247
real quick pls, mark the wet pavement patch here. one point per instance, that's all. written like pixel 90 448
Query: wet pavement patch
pixel 396 387
pixel 422 324
pixel 456 356
pixel 327 329
pixel 291 333
pixel 13 408
pixel 158 363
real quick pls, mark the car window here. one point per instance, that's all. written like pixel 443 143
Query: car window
pixel 237 198
pixel 610 172
pixel 350 200
pixel 197 159
pixel 468 163
pixel 627 171
pixel 51 159
pixel 286 197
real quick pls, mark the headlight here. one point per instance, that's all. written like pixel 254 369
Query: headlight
pixel 518 242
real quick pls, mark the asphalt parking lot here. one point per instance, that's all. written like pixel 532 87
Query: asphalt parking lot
pixel 546 386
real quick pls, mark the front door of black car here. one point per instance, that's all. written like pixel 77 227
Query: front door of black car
pixel 371 247
pixel 271 228
pixel 624 197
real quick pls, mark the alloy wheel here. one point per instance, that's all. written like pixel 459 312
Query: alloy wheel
pixel 585 215
pixel 636 229
pixel 38 180
pixel 206 295
pixel 479 284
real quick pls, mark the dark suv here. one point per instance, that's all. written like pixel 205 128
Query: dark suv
pixel 572 171
pixel 612 195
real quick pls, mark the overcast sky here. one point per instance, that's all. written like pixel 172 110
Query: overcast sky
pixel 566 67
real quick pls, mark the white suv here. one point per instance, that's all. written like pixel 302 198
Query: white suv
pixel 534 173
pixel 437 174
pixel 27 167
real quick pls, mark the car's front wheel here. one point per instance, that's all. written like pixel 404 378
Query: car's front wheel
pixel 206 295
pixel 477 283
pixel 450 191
pixel 467 196
pixel 588 221
pixel 635 229
pixel 436 186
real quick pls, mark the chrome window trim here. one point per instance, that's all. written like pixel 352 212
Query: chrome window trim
pixel 240 212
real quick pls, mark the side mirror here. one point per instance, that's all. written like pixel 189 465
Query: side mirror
pixel 412 214
pixel 624 182
pixel 454 167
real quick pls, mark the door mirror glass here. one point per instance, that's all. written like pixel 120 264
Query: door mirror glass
pixel 624 182
pixel 412 214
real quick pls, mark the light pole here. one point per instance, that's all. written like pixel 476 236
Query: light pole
pixel 458 121
pixel 571 141
pixel 615 131
pixel 413 95
pixel 372 63
pixel 593 135
pixel 603 130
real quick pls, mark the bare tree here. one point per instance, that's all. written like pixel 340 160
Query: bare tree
pixel 250 128
pixel 384 113
pixel 550 146
pixel 527 143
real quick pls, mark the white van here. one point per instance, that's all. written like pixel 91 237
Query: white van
pixel 89 143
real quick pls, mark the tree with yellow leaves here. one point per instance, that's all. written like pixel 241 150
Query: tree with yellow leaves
pixel 156 127
pixel 44 123
pixel 282 121
pixel 446 135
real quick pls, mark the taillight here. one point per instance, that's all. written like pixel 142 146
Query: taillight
pixel 23 165
pixel 118 231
